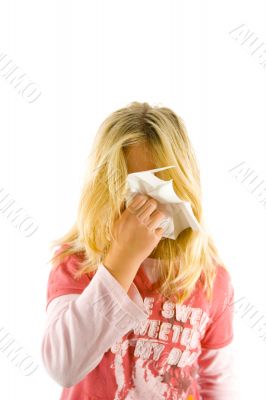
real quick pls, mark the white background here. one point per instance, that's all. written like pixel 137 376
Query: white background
pixel 88 59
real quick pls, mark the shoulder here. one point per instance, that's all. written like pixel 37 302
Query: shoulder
pixel 66 267
pixel 62 280
pixel 223 291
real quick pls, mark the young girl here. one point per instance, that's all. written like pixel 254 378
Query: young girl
pixel 130 314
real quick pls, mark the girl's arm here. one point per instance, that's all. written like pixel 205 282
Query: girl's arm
pixel 217 377
pixel 80 328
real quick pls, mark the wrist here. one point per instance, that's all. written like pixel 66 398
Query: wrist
pixel 116 258
pixel 122 268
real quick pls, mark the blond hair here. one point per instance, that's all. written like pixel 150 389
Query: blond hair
pixel 193 255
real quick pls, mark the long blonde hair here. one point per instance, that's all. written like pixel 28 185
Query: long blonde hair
pixel 193 255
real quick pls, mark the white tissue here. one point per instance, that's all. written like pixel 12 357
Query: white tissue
pixel 179 213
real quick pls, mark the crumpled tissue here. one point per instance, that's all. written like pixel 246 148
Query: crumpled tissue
pixel 179 214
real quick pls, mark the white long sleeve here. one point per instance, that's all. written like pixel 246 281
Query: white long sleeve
pixel 80 328
pixel 217 377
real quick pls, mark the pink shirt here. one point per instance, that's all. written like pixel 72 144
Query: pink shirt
pixel 101 342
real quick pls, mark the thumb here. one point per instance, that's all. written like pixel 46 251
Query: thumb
pixel 159 231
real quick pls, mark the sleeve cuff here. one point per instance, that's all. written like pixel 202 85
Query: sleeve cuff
pixel 132 301
pixel 107 297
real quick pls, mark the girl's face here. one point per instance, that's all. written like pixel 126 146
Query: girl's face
pixel 138 159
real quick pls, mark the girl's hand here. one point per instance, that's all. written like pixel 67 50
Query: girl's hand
pixel 136 233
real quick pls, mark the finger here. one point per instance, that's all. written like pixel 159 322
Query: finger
pixel 138 201
pixel 147 209
pixel 156 219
